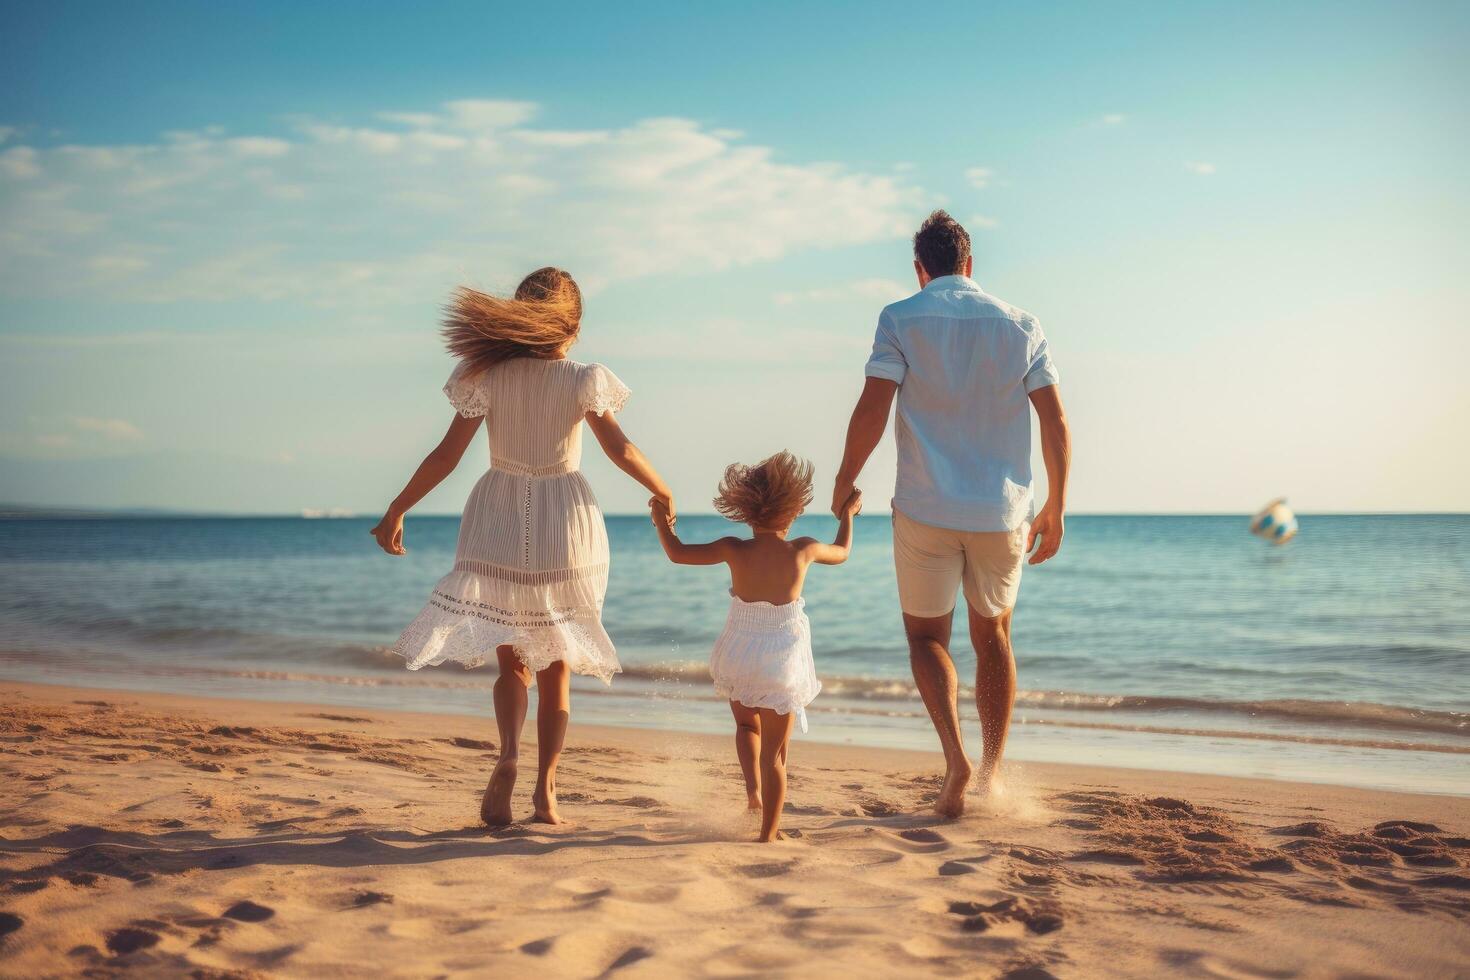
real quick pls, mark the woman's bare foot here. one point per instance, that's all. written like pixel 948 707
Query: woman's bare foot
pixel 544 804
pixel 951 802
pixel 753 803
pixel 495 806
pixel 775 836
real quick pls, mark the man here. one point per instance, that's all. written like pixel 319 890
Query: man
pixel 964 366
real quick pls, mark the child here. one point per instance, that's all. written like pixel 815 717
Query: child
pixel 762 662
pixel 530 571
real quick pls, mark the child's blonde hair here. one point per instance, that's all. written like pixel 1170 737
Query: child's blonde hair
pixel 770 494
pixel 542 320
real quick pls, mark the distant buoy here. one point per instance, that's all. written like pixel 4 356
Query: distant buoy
pixel 1276 523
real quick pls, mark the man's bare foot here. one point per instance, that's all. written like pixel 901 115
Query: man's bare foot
pixel 753 803
pixel 951 802
pixel 544 804
pixel 495 806
pixel 763 839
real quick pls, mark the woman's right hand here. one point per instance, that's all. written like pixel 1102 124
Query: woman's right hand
pixel 389 533
pixel 662 506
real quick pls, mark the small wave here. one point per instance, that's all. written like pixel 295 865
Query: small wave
pixel 1333 714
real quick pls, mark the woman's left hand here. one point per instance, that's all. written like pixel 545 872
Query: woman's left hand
pixel 389 533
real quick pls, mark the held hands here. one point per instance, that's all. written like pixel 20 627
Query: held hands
pixel 1048 526
pixel 389 533
pixel 853 505
pixel 842 495
pixel 662 509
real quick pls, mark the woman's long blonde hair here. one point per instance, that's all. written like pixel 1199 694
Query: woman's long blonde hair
pixel 541 320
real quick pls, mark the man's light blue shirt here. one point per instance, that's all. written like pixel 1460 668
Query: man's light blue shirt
pixel 965 364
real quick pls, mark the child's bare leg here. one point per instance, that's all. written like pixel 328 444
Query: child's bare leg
pixel 775 732
pixel 553 710
pixel 747 749
pixel 510 715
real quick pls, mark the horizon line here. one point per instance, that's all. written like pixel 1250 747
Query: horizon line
pixel 30 511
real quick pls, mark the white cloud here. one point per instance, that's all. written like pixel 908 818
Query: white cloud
pixel 19 162
pixel 120 264
pixel 259 146
pixel 399 210
pixel 117 429
pixel 484 114
pixel 372 140
pixel 979 177
pixel 1113 119
pixel 1199 167
pixel 54 440
pixel 982 221
pixel 6 132
pixel 864 290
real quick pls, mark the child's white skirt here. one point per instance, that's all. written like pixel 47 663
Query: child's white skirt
pixel 763 659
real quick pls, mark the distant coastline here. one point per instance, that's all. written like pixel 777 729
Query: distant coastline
pixel 10 511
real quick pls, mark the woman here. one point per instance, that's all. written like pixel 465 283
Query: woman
pixel 530 570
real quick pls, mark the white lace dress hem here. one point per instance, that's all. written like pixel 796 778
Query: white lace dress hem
pixel 763 658
pixel 457 626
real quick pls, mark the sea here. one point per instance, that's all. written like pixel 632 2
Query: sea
pixel 1157 642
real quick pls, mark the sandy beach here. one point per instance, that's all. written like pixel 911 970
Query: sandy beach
pixel 182 836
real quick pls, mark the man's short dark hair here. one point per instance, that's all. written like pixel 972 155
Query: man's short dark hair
pixel 942 245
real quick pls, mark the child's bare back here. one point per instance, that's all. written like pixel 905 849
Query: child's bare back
pixel 770 568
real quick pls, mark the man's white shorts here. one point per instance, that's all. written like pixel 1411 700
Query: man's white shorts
pixel 933 562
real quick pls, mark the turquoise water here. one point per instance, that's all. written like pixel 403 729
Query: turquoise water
pixel 1161 642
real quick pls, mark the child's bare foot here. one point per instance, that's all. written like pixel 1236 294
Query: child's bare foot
pixel 777 835
pixel 951 802
pixel 988 784
pixel 495 806
pixel 544 804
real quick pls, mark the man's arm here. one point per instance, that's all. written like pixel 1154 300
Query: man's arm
pixel 1056 451
pixel 869 420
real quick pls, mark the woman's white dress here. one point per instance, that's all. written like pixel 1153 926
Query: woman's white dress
pixel 763 658
pixel 531 567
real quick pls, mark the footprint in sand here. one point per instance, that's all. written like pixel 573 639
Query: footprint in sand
pixel 921 840
pixel 248 911
pixel 1028 973
pixel 1040 918
pixel 9 922
pixel 364 899
pixel 129 940
pixel 538 947
pixel 878 808
pixel 636 802
pixel 771 869
pixel 471 743
pixel 806 811
pixel 628 958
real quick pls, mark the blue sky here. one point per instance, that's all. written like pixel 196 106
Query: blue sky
pixel 225 233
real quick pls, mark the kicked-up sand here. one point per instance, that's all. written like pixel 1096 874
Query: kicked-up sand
pixel 173 836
